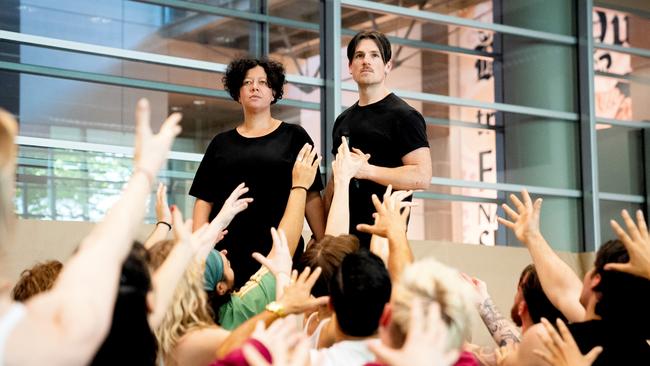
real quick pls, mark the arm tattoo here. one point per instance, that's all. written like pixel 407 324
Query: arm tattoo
pixel 502 330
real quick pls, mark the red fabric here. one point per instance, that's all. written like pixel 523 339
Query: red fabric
pixel 236 357
pixel 466 359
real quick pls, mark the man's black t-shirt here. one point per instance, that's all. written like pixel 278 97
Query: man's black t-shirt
pixel 621 344
pixel 387 130
pixel 265 164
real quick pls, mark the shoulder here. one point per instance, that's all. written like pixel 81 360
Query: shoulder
pixel 199 346
pixel 402 107
pixel 222 139
pixel 296 133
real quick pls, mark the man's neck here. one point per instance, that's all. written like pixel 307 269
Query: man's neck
pixel 369 94
pixel 339 336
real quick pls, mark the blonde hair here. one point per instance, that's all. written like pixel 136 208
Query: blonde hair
pixel 188 310
pixel 432 281
pixel 8 130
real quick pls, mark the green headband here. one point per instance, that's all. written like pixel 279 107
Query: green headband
pixel 213 270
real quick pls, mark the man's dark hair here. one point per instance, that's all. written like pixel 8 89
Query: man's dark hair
pixel 328 253
pixel 380 40
pixel 622 298
pixel 130 340
pixel 538 304
pixel 236 73
pixel 359 291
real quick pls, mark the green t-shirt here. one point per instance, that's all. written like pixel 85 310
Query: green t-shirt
pixel 249 301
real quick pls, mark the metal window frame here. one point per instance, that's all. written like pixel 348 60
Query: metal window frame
pixel 135 83
pixel 588 138
pixel 452 20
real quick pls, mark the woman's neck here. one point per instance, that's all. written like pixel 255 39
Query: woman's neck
pixel 257 124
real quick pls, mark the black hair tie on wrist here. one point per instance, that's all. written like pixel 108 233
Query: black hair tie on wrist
pixel 164 223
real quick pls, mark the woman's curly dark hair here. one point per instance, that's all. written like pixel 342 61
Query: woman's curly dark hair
pixel 236 73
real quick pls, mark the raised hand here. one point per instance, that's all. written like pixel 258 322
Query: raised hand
pixel 201 240
pixel 425 342
pixel 280 262
pixel 151 150
pixel 479 287
pixel 304 169
pixel 524 222
pixel 286 343
pixel 162 207
pixel 232 206
pixel 560 349
pixel 388 219
pixel 297 296
pixel 637 243
pixel 346 164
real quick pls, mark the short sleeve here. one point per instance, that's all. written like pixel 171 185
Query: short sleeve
pixel 301 137
pixel 203 185
pixel 249 301
pixel 411 133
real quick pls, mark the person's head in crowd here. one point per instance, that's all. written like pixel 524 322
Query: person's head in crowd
pixel 531 303
pixel 359 292
pixel 8 130
pixel 255 83
pixel 219 280
pixel 431 281
pixel 35 280
pixel 188 310
pixel 369 57
pixel 130 339
pixel 615 296
pixel 327 253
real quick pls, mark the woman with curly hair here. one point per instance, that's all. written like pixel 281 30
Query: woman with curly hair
pixel 260 152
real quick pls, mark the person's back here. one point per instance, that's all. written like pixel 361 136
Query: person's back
pixel 622 324
pixel 621 345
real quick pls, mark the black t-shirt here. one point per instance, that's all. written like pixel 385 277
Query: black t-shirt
pixel 265 164
pixel 387 130
pixel 621 345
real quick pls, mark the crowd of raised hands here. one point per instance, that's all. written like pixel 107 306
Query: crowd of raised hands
pixel 69 321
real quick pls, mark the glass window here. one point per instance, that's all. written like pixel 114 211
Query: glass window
pixel 620 160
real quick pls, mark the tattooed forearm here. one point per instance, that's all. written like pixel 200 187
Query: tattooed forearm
pixel 502 330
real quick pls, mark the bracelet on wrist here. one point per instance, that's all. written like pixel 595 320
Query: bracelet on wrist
pixel 299 187
pixel 169 226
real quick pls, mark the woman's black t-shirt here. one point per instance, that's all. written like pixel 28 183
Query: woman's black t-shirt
pixel 265 164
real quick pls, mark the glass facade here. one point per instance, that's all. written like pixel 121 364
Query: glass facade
pixel 546 95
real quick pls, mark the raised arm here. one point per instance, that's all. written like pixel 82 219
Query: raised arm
pixel 302 177
pixel 414 174
pixel 80 305
pixel 503 331
pixel 191 246
pixel 344 167
pixel 561 285
pixel 163 218
pixel 391 223
pixel 296 299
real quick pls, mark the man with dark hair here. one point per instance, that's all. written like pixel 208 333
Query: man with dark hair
pixel 359 292
pixel 608 308
pixel 383 126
